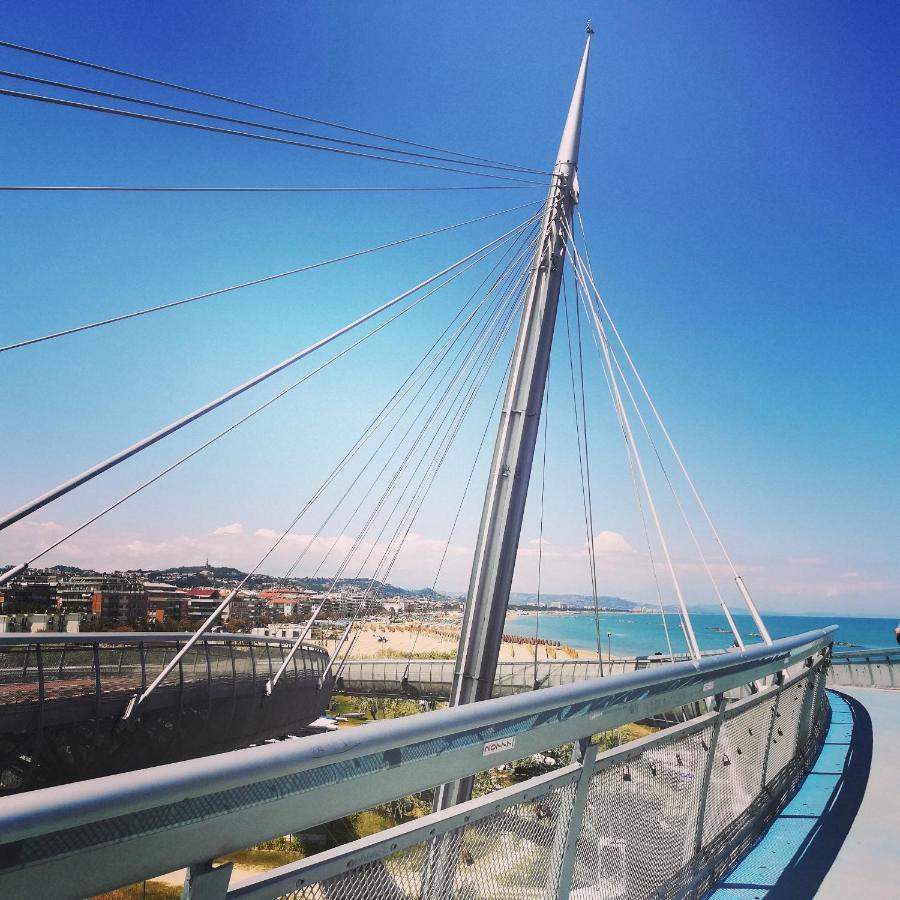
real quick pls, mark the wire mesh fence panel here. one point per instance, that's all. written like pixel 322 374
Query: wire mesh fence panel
pixel 156 657
pixel 243 660
pixel 819 706
pixel 120 669
pixel 515 852
pixel 192 665
pixel 54 660
pixel 640 821
pixel 785 728
pixel 11 665
pixel 219 662
pixel 737 769
pixel 396 877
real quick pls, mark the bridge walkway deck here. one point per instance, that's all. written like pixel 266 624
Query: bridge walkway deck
pixel 838 837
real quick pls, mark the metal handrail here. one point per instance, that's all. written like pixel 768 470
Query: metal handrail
pixel 134 637
pixel 81 834
pixel 336 863
pixel 863 654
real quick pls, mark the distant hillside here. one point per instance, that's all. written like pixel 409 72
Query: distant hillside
pixel 579 601
pixel 201 576
pixel 71 570
pixel 382 589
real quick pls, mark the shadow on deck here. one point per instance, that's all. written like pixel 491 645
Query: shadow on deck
pixel 794 856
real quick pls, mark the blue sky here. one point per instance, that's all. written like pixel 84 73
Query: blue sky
pixel 740 190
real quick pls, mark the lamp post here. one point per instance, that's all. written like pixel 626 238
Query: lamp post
pixel 609 645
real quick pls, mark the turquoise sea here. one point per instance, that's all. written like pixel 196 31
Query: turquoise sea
pixel 634 635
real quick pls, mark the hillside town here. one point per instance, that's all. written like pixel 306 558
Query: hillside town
pixel 181 599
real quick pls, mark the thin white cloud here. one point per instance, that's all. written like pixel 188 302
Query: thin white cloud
pixel 622 570
pixel 611 542
pixel 806 561
pixel 234 528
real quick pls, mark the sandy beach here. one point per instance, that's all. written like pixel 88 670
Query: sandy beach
pixel 437 640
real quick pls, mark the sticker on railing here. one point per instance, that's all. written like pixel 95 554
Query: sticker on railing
pixel 499 746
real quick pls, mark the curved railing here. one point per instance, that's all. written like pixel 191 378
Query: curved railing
pixel 866 668
pixel 431 679
pixel 47 666
pixel 62 698
pixel 658 817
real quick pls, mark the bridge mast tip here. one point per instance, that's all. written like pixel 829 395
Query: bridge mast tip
pixel 590 28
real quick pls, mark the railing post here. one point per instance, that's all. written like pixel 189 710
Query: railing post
pixel 804 728
pixel 779 681
pixel 209 678
pixel 143 666
pixel 587 753
pixel 180 680
pixel 720 704
pixel 39 730
pixel 98 688
pixel 206 882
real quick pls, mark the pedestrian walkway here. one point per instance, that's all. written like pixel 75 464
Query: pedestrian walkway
pixel 838 836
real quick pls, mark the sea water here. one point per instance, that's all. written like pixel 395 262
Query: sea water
pixel 629 634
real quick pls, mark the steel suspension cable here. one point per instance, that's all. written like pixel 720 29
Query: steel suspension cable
pixel 441 440
pixel 427 481
pixel 138 699
pixel 587 506
pixel 187 189
pixel 748 600
pixel 257 281
pixel 10 573
pixel 271 683
pixel 443 455
pixel 459 507
pixel 249 135
pixel 82 89
pixel 693 646
pixel 537 614
pixel 442 403
pixel 629 455
pixel 469 383
pixel 639 502
pixel 739 641
pixel 157 436
pixel 424 407
pixel 239 102
pixel 451 431
pixel 452 528
pixel 633 457
pixel 385 493
pixel 409 385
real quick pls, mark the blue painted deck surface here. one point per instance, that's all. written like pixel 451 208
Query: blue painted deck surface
pixel 839 836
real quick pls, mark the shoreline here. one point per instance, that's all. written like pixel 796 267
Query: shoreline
pixel 433 641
